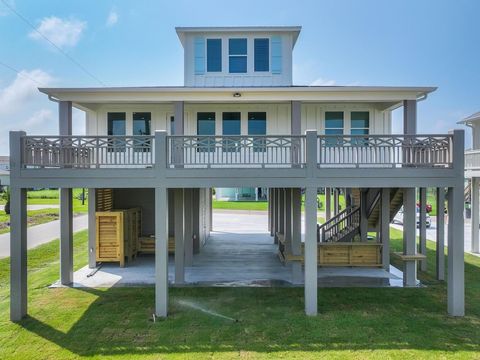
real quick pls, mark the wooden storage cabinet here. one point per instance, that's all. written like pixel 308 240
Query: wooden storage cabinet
pixel 117 235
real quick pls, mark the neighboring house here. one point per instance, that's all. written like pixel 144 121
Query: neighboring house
pixel 472 173
pixel 4 178
pixel 4 163
pixel 241 194
pixel 239 122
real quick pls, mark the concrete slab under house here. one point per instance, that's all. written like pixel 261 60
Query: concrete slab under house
pixel 152 156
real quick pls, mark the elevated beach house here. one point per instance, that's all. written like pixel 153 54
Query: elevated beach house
pixel 155 153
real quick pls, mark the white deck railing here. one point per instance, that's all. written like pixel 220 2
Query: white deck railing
pixel 279 151
pixel 472 160
pixel 385 151
pixel 88 151
pixel 236 151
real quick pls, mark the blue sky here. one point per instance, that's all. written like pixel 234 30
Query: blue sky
pixel 343 42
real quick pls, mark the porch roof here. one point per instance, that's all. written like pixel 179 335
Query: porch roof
pixel 391 95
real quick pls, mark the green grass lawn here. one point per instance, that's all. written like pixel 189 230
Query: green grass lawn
pixel 263 205
pixel 34 217
pixel 358 323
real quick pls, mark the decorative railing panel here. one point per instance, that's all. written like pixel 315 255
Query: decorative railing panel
pixel 236 151
pixel 372 151
pixel 88 151
pixel 472 160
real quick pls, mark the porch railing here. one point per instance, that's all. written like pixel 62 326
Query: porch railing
pixel 385 150
pixel 88 151
pixel 236 151
pixel 271 151
pixel 472 160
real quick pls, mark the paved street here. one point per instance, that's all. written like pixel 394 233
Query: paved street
pixel 41 234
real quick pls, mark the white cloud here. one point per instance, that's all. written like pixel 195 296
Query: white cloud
pixel 62 32
pixel 22 90
pixel 112 18
pixel 40 117
pixel 322 82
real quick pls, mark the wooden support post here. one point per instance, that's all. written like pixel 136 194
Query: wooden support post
pixel 66 236
pixel 328 205
pixel 409 236
pixel 310 253
pixel 475 215
pixel 296 234
pixel 92 229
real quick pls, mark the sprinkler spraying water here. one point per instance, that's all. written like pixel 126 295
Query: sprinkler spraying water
pixel 206 311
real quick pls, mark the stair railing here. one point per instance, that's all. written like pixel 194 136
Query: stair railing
pixel 348 218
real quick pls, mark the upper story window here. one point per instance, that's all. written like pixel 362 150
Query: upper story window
pixel 116 123
pixel 206 123
pixel 257 125
pixel 231 123
pixel 214 55
pixel 237 55
pixel 360 122
pixel 141 123
pixel 172 125
pixel 334 123
pixel 261 55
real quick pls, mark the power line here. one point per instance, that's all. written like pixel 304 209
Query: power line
pixel 20 73
pixel 26 21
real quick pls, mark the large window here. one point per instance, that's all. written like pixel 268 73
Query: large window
pixel 334 123
pixel 116 123
pixel 214 55
pixel 116 126
pixel 262 54
pixel 237 55
pixel 257 125
pixel 231 126
pixel 360 122
pixel 205 126
pixel 141 123
pixel 333 126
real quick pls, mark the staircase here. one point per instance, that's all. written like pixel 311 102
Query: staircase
pixel 396 202
pixel 346 225
pixel 341 228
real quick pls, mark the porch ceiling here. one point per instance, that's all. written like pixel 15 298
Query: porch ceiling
pixel 87 97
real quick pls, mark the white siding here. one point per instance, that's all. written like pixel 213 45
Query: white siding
pixel 251 78
pixel 278 116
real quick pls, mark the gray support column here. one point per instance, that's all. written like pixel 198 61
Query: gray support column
pixel 178 122
pixel 385 228
pixel 440 236
pixel 296 118
pixel 336 201
pixel 161 252
pixel 92 229
pixel 18 253
pixel 310 253
pixel 196 223
pixel 410 117
pixel 188 239
pixel 409 236
pixel 281 211
pixel 210 208
pixel 18 232
pixel 423 227
pixel 179 238
pixel 66 236
pixel 363 215
pixel 348 196
pixel 269 203
pixel 328 205
pixel 456 265
pixel 274 213
pixel 288 218
pixel 456 276
pixel 296 234
pixel 65 117
pixel 475 215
